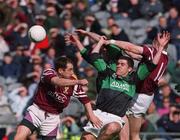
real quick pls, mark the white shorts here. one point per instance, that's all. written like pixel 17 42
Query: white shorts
pixel 139 105
pixel 105 118
pixel 46 123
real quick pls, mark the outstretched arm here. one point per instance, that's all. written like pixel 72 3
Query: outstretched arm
pixel 134 56
pixel 97 61
pixel 50 76
pixel 145 69
pixel 91 35
pixel 112 50
pixel 127 46
pixel 97 48
pixel 67 82
pixel 74 39
pixel 162 39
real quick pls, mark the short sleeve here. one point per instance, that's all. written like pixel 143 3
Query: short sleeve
pixel 80 94
pixel 47 75
pixel 147 52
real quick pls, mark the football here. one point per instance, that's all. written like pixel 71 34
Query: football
pixel 37 33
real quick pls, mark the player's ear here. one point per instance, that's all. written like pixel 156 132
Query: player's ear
pixel 130 69
pixel 60 70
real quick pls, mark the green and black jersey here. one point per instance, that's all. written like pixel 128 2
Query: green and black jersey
pixel 112 53
pixel 117 92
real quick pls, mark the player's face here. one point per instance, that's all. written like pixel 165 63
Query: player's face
pixel 68 72
pixel 122 68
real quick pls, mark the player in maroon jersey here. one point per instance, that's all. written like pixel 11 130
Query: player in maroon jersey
pixel 52 96
pixel 145 89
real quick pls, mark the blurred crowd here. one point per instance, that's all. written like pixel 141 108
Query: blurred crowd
pixel 22 61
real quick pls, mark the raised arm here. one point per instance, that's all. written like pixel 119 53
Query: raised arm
pixel 74 39
pixel 134 56
pixel 97 61
pixel 127 46
pixel 91 35
pixel 145 69
pixel 162 40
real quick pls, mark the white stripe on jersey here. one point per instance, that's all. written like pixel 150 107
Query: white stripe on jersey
pixel 159 72
pixel 151 53
pixel 78 94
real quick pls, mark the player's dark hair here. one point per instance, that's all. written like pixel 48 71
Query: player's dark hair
pixel 128 59
pixel 61 62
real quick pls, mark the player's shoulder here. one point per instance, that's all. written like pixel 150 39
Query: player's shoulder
pixel 147 46
pixel 49 71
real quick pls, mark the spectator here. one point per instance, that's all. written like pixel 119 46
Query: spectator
pixel 23 58
pixel 31 8
pixel 110 21
pixel 68 27
pixel 134 10
pixel 152 31
pixel 52 19
pixel 88 22
pixel 176 37
pixel 173 17
pixel 151 8
pixel 34 76
pixel 50 56
pixel 57 41
pixel 162 25
pixel 40 19
pixel 80 11
pixel 165 92
pixel 170 122
pixel 9 69
pixel 19 36
pixel 18 100
pixel 165 107
pixel 118 33
pixel 114 11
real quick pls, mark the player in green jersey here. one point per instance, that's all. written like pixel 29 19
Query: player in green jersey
pixel 117 90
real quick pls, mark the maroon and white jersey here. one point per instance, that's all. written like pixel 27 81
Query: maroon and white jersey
pixel 149 85
pixel 54 99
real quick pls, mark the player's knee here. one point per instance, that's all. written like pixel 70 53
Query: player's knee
pixel 112 128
